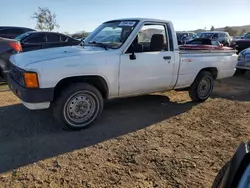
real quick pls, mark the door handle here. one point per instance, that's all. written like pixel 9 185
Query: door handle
pixel 166 57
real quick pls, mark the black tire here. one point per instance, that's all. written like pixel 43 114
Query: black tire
pixel 240 71
pixel 79 92
pixel 247 74
pixel 194 92
pixel 220 175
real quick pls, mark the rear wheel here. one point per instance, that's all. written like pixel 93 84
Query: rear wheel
pixel 78 106
pixel 202 87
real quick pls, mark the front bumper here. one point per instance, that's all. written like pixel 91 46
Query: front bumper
pixel 39 95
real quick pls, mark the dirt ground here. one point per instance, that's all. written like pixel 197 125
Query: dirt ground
pixel 149 141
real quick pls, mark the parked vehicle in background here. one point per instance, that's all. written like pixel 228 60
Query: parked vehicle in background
pixel 12 32
pixel 233 42
pixel 203 44
pixel 7 48
pixel 183 37
pixel 32 40
pixel 35 40
pixel 244 60
pixel 223 37
pixel 75 81
pixel 235 38
pixel 243 43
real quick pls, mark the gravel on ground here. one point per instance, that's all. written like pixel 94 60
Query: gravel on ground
pixel 158 140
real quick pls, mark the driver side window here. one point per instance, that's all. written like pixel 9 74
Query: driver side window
pixel 151 38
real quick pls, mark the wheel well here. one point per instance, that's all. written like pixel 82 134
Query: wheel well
pixel 212 70
pixel 96 81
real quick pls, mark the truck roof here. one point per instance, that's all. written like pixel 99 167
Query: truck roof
pixel 140 19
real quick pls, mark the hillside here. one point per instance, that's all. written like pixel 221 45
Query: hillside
pixel 238 29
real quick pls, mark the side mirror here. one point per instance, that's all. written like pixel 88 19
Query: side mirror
pixel 133 49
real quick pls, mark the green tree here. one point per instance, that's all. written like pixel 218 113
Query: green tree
pixel 45 19
pixel 212 28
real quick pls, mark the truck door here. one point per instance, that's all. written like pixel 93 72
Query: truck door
pixel 150 68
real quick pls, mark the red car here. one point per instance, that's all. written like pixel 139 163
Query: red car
pixel 203 44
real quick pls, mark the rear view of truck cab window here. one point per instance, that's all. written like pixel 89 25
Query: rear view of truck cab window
pixel 153 38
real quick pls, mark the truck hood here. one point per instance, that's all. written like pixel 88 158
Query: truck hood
pixel 25 58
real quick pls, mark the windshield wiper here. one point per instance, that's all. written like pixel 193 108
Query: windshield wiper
pixel 99 44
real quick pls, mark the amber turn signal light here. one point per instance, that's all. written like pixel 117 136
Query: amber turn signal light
pixel 31 80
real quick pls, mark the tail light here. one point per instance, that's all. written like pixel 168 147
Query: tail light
pixel 16 46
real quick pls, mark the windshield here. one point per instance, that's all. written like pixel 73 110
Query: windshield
pixel 247 36
pixel 20 37
pixel 112 34
pixel 206 35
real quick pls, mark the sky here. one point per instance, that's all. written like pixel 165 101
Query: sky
pixel 79 15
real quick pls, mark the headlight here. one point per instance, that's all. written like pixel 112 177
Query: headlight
pixel 31 80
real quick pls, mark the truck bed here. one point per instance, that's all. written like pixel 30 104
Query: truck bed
pixel 223 62
pixel 206 51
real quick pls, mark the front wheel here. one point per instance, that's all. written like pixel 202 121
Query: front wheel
pixel 78 106
pixel 202 87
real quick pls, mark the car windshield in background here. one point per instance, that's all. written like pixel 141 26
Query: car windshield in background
pixel 206 35
pixel 20 37
pixel 247 36
pixel 112 34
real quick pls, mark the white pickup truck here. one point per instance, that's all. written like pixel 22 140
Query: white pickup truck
pixel 121 58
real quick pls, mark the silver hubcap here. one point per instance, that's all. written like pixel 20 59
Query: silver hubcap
pixel 80 109
pixel 204 87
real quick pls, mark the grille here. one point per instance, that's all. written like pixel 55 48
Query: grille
pixel 17 75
